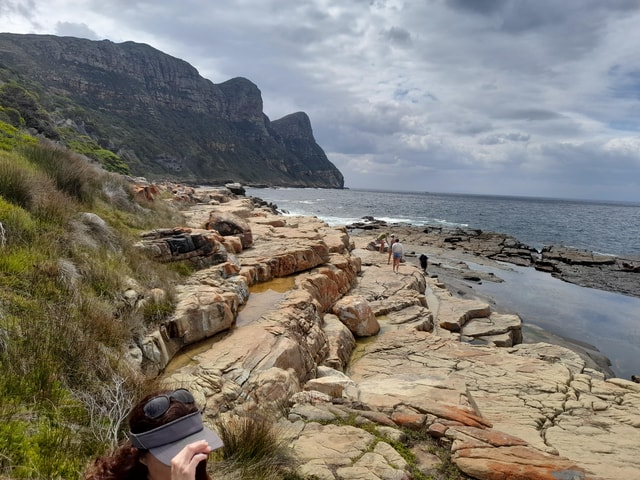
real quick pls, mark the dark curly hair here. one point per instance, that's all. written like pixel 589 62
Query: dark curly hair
pixel 124 462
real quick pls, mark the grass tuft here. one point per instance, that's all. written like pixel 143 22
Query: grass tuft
pixel 253 450
pixel 72 173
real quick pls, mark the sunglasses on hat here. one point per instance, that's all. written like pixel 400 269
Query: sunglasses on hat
pixel 158 406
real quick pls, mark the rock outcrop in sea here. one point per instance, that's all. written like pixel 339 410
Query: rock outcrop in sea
pixel 352 358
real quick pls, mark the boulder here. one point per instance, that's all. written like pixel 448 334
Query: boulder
pixel 504 330
pixel 227 224
pixel 341 342
pixel 455 312
pixel 356 313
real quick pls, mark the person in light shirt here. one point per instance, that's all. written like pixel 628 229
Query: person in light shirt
pixel 397 252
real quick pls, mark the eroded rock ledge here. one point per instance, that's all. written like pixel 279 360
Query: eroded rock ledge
pixel 354 344
pixel 577 266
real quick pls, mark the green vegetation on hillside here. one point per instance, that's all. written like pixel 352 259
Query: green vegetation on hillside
pixel 67 234
pixel 21 108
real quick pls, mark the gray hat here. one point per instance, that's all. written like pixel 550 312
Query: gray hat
pixel 166 441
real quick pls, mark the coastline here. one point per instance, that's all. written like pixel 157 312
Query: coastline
pixel 602 331
pixel 535 407
pixel 450 265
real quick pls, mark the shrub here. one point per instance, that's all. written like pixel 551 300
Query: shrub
pixel 14 95
pixel 18 226
pixel 15 180
pixel 19 260
pixel 11 137
pixel 72 173
pixel 67 254
pixel 253 449
pixel 11 116
pixel 86 145
pixel 21 183
pixel 39 444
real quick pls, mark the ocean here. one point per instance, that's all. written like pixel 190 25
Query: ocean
pixel 602 227
pixel 608 321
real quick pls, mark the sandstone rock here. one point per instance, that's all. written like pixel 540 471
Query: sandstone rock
pixel 229 224
pixel 341 342
pixel 200 247
pixel 575 256
pixel 326 448
pixel 235 188
pixel 456 312
pixel 418 316
pixel 356 314
pixel 502 330
pixel 515 462
pixel 529 411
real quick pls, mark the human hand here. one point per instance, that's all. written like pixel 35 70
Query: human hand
pixel 183 465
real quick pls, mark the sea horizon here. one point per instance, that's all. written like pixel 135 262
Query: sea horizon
pixel 604 227
pixel 632 203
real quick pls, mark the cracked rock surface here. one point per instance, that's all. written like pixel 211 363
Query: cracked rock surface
pixel 529 411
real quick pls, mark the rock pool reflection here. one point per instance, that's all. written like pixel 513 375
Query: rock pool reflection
pixel 609 321
pixel 263 298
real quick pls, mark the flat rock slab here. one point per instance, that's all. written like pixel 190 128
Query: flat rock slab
pixel 570 421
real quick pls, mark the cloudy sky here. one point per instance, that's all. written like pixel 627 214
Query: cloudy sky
pixel 513 97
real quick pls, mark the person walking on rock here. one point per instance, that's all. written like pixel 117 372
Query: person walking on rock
pixel 391 242
pixel 397 251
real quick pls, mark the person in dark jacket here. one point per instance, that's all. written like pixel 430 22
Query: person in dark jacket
pixel 423 262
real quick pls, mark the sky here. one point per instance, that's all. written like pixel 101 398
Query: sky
pixel 507 97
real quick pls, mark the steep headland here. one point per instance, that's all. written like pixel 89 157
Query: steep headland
pixel 156 114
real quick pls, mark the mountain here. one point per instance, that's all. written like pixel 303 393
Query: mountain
pixel 158 115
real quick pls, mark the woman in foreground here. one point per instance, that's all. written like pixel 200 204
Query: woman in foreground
pixel 167 441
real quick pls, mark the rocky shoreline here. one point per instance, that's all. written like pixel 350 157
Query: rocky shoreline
pixel 450 251
pixel 352 357
pixel 581 267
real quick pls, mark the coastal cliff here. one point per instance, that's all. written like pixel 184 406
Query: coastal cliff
pixel 156 114
pixel 361 357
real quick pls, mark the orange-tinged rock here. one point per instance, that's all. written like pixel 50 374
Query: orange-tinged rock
pixel 408 420
pixel 490 436
pixel 516 463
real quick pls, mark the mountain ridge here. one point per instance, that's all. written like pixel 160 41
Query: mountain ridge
pixel 161 117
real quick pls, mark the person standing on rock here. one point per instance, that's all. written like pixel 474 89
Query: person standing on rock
pixel 397 251
pixel 382 239
pixel 423 262
pixel 391 242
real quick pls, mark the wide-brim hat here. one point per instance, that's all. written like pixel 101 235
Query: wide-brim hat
pixel 166 441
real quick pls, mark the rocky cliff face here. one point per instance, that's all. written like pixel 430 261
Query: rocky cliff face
pixel 162 117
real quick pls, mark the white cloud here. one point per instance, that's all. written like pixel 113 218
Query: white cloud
pixel 534 97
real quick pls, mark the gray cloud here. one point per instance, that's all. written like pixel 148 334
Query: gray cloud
pixel 81 30
pixel 534 97
pixel 398 35
pixel 501 138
